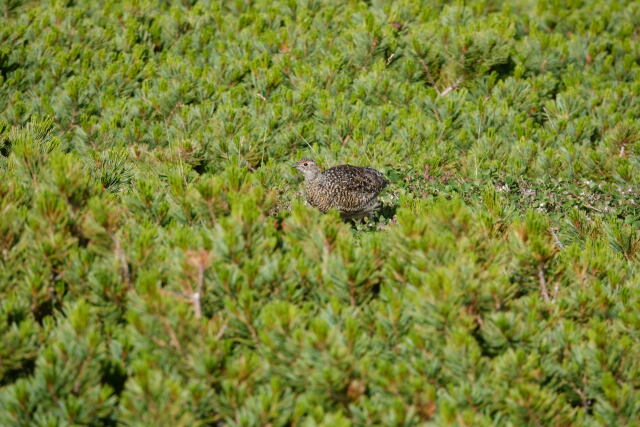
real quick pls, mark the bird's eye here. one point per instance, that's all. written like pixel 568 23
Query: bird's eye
pixel 305 164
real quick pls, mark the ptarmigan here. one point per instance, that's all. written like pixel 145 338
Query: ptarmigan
pixel 352 190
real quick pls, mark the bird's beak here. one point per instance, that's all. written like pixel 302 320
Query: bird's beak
pixel 295 166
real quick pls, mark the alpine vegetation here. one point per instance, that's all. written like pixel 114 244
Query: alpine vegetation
pixel 159 264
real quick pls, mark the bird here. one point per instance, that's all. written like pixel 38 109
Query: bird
pixel 352 190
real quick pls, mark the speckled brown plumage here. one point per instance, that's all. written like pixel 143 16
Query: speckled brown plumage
pixel 352 190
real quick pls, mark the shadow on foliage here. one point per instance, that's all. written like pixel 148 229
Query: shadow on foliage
pixel 504 69
pixel 377 221
pixel 25 369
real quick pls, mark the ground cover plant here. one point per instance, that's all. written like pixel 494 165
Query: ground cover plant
pixel 158 266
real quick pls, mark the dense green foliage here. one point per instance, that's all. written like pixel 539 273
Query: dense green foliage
pixel 158 267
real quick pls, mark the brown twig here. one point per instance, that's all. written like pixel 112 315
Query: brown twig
pixel 222 330
pixel 390 58
pixel 427 72
pixel 556 240
pixel 352 296
pixel 252 330
pixel 589 206
pixel 543 284
pixel 556 288
pixel 173 293
pixel 453 87
pixel 172 334
pixel 201 261
pixel 195 297
pixel 122 259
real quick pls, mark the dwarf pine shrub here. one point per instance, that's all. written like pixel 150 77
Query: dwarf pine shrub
pixel 158 266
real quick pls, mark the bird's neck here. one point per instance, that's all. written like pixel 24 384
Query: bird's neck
pixel 311 176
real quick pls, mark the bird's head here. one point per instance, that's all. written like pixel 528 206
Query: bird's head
pixel 308 167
